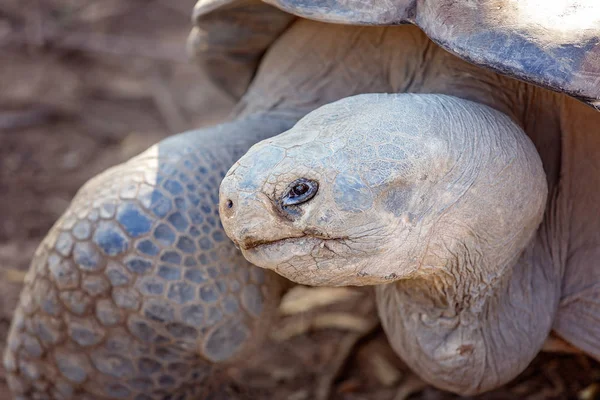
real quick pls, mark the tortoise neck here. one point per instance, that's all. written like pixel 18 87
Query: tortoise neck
pixel 472 338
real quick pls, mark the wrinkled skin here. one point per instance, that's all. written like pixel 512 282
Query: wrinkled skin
pixel 383 191
pixel 551 44
pixel 456 211
pixel 414 189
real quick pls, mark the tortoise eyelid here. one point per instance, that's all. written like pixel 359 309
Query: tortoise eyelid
pixel 290 198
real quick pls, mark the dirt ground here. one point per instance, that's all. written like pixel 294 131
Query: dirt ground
pixel 87 84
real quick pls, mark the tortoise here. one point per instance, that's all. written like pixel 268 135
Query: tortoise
pixel 136 292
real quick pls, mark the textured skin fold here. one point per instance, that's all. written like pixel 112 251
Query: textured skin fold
pixel 552 44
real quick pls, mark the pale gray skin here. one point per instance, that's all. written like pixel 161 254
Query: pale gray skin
pixel 73 335
pixel 443 204
pixel 399 178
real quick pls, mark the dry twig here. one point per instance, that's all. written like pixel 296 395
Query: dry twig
pixel 411 385
pixel 344 350
pixel 123 46
pixel 167 105
pixel 11 120
pixel 555 344
pixel 13 275
pixel 301 299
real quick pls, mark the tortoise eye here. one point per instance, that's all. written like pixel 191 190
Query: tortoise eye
pixel 299 191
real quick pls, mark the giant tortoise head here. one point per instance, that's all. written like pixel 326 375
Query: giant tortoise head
pixel 468 197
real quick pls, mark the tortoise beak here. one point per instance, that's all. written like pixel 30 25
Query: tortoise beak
pixel 251 219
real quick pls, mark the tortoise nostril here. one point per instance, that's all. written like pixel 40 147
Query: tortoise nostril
pixel 229 203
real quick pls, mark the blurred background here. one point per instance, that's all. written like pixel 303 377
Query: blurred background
pixel 86 84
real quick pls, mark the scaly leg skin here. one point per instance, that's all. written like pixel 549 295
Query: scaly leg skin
pixel 136 292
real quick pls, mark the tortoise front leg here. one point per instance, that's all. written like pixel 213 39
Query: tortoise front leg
pixel 136 292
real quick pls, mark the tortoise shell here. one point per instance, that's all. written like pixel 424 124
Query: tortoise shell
pixel 555 45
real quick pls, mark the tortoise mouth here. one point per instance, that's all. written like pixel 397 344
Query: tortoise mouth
pixel 271 253
pixel 282 249
pixel 253 243
pixel 311 260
